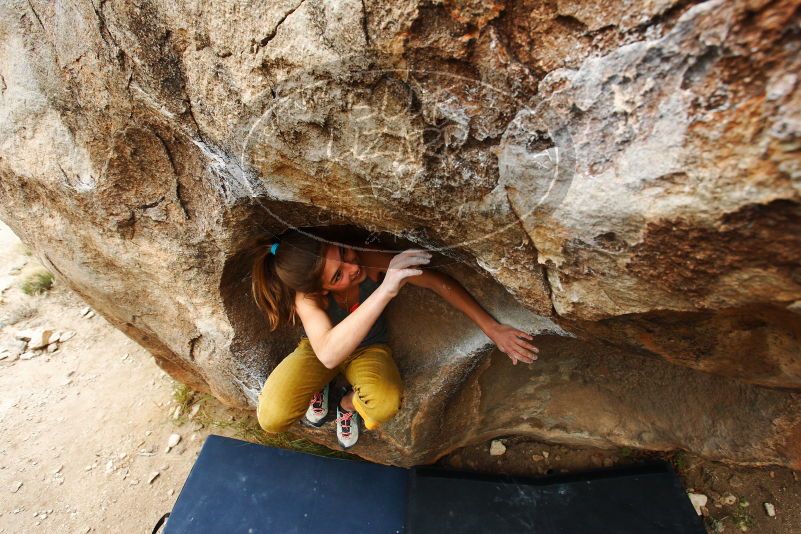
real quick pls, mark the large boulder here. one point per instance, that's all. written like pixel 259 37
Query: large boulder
pixel 623 180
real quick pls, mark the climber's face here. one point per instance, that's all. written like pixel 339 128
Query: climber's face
pixel 341 270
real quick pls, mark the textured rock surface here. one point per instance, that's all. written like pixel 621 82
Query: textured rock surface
pixel 623 179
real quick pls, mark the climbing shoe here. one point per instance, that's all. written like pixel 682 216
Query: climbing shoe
pixel 318 408
pixel 347 427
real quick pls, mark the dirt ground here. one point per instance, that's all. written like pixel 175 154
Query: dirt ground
pixel 84 432
pixel 85 428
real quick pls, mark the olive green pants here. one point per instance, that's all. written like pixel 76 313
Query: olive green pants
pixel 370 370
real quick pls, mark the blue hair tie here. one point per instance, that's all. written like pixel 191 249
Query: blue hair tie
pixel 273 248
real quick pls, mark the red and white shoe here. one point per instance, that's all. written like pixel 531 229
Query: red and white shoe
pixel 318 408
pixel 347 427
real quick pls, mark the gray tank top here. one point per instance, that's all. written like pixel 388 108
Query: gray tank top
pixel 378 332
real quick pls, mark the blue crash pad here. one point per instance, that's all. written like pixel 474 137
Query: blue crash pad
pixel 640 500
pixel 241 487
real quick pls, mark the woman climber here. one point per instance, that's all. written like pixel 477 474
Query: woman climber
pixel 340 295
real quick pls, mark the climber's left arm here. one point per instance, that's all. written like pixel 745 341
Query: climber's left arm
pixel 508 339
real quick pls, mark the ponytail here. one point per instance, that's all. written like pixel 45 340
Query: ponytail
pixel 296 265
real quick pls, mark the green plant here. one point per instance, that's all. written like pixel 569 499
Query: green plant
pixel 626 452
pixel 679 460
pixel 742 519
pixel 714 525
pixel 211 414
pixel 182 395
pixel 37 282
pixel 249 430
pixel 24 249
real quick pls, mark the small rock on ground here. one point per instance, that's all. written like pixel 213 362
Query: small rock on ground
pixel 699 500
pixel 172 441
pixel 497 448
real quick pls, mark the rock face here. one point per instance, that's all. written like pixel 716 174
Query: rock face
pixel 622 179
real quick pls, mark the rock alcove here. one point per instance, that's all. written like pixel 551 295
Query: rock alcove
pixel 144 145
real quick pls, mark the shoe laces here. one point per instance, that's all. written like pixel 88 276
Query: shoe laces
pixel 317 402
pixel 345 420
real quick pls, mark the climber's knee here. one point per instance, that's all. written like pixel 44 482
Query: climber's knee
pixel 285 395
pixel 389 404
pixel 378 402
pixel 377 384
pixel 272 420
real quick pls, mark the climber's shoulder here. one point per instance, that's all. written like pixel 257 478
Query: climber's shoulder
pixel 310 300
pixel 315 320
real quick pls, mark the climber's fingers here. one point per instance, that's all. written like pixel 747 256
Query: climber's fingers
pixel 524 336
pixel 527 346
pixel 528 349
pixel 520 355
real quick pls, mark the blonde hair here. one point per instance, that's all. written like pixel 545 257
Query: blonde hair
pixel 297 265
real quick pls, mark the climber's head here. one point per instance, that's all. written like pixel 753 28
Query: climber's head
pixel 342 269
pixel 296 265
pixel 301 262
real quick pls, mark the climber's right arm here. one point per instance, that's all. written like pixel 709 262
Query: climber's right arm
pixel 333 345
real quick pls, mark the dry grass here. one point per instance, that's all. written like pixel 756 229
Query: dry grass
pixel 19 312
pixel 182 395
pixel 23 249
pixel 37 282
pixel 211 414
